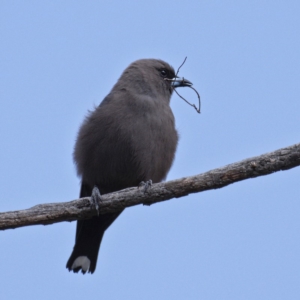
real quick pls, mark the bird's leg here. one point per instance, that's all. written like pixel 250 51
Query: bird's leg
pixel 147 185
pixel 96 198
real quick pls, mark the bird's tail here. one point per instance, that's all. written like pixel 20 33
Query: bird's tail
pixel 89 234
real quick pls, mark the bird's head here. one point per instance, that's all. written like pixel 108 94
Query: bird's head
pixel 152 77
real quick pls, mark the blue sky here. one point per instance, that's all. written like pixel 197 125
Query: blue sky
pixel 58 59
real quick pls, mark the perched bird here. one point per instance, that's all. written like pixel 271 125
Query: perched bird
pixel 129 138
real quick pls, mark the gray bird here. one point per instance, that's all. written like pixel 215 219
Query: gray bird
pixel 128 139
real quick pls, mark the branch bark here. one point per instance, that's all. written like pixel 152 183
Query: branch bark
pixel 282 159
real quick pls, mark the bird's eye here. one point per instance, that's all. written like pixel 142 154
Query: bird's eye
pixel 163 72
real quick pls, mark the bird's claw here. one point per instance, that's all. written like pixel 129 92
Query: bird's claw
pixel 96 198
pixel 147 185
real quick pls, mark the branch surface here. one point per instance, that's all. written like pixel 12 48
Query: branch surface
pixel 282 159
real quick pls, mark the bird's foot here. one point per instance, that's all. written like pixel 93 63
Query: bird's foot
pixel 147 185
pixel 96 198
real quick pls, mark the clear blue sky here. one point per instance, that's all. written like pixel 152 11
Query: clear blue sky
pixel 58 59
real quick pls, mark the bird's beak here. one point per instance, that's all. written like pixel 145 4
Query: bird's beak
pixel 180 82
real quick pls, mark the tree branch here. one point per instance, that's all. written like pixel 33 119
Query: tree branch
pixel 282 159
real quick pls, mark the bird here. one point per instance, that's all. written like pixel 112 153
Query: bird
pixel 128 139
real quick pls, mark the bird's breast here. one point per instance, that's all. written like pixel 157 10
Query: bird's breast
pixel 123 148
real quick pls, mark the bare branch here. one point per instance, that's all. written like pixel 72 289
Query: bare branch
pixel 282 159
pixel 180 66
pixel 193 105
pixel 198 110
